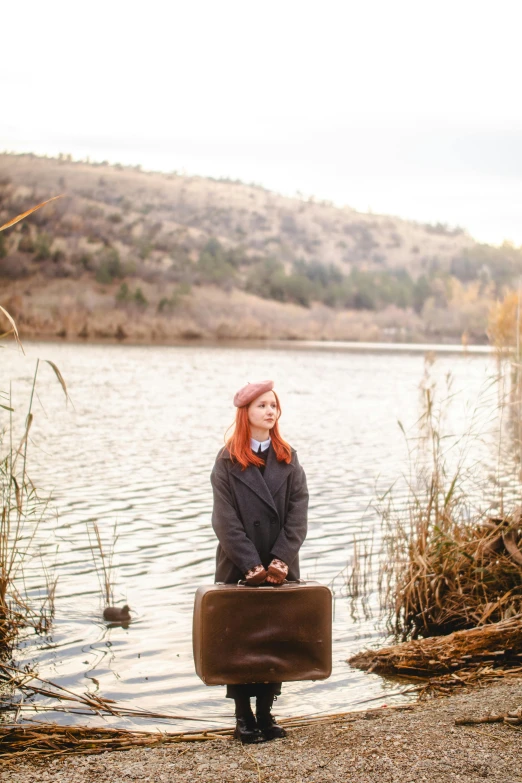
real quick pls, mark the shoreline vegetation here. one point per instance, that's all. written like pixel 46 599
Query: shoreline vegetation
pixel 437 741
pixel 57 311
pixel 132 255
pixel 23 512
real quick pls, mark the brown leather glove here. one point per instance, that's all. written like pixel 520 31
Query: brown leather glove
pixel 277 572
pixel 256 575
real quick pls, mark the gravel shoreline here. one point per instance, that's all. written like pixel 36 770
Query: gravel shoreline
pixel 418 743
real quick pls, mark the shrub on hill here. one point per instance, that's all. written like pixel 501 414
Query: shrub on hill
pixel 126 297
pixel 215 265
pixel 443 229
pixel 123 294
pixel 26 244
pixel 14 267
pixel 139 298
pixel 42 246
pixel 109 267
pixel 170 304
pixel 484 262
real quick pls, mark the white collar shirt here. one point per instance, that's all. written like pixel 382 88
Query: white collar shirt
pixel 257 444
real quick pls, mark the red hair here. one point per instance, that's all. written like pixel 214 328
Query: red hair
pixel 238 444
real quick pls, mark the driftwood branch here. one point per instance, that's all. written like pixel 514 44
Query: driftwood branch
pixel 498 644
pixel 514 717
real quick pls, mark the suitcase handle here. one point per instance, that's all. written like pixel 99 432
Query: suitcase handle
pixel 242 583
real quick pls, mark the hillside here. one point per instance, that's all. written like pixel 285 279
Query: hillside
pixel 154 256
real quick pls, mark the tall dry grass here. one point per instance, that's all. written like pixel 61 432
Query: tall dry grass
pixel 450 563
pixel 103 558
pixel 22 510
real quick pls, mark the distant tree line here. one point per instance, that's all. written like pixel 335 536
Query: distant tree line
pixel 501 264
pixel 309 282
pixel 305 282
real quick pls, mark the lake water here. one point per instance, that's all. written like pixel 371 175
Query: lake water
pixel 136 448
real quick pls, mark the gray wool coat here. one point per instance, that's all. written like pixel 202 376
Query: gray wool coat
pixel 258 517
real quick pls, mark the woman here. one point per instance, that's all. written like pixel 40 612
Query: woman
pixel 260 518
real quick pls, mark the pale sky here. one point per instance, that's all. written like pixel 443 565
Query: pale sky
pixel 410 108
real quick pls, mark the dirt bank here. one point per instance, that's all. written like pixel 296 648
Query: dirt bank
pixel 417 744
pixel 83 309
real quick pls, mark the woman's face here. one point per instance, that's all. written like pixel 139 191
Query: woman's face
pixel 263 412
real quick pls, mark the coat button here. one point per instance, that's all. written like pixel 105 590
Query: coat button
pixel 257 523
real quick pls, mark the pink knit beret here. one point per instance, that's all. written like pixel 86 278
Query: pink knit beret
pixel 251 391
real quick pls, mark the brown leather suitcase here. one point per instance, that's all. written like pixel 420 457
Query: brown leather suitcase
pixel 244 634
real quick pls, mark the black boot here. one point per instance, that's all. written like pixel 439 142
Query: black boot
pixel 246 727
pixel 265 720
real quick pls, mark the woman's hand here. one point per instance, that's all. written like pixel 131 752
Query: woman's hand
pixel 277 572
pixel 256 575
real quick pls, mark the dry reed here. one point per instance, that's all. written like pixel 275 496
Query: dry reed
pixel 28 212
pixel 21 510
pixel 357 579
pixel 445 568
pixel 33 740
pixel 458 575
pixel 26 737
pixel 103 557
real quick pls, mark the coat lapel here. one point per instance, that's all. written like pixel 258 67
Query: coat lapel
pixel 254 480
pixel 265 486
pixel 276 472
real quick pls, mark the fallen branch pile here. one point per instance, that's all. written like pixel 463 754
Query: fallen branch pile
pixel 33 741
pixel 497 645
pixel 30 739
